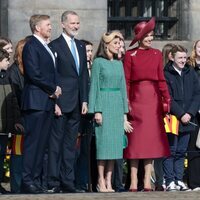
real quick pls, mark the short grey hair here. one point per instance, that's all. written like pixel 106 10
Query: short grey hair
pixel 65 15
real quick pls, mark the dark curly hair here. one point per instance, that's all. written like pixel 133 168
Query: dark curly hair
pixel 3 54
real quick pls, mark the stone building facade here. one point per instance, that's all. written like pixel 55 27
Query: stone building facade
pixel 15 14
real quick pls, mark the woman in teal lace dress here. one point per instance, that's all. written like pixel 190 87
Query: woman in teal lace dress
pixel 108 101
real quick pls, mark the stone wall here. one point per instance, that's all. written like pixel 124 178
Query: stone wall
pixel 194 20
pixel 15 14
pixel 3 17
pixel 93 16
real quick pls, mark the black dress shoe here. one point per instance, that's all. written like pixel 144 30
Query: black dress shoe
pixel 159 188
pixel 55 189
pixel 68 190
pixel 80 191
pixel 41 189
pixel 30 189
pixel 120 190
pixel 148 190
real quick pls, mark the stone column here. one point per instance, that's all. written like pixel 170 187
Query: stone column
pixel 3 18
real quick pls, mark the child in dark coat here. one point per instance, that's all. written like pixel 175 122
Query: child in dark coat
pixel 9 111
pixel 185 94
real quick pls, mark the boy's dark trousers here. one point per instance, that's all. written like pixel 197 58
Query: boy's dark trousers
pixel 173 165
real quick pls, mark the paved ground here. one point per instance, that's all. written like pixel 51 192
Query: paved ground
pixel 108 196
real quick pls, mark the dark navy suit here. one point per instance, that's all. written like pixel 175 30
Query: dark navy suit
pixel 37 106
pixel 65 129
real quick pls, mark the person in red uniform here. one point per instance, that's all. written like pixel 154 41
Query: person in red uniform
pixel 149 101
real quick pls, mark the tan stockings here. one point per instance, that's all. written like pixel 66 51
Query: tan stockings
pixel 147 175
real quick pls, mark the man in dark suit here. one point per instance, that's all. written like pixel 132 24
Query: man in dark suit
pixel 73 79
pixel 38 102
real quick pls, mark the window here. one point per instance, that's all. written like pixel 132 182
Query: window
pixel 124 14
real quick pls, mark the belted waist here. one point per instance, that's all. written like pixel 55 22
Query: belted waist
pixel 109 89
pixel 145 82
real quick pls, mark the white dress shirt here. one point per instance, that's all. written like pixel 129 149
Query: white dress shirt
pixel 68 40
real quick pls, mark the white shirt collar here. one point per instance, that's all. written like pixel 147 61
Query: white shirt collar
pixel 178 70
pixel 66 37
pixel 68 40
pixel 40 39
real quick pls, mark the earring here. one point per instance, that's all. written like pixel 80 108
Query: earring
pixel 106 49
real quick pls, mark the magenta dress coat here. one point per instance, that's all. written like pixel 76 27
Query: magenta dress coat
pixel 146 89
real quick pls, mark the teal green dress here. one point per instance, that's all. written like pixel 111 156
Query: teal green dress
pixel 108 96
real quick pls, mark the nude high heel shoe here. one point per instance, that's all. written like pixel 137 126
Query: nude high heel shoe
pixel 110 190
pixel 99 189
pixel 109 187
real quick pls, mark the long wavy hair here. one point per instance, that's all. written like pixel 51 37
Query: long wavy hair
pixel 18 54
pixel 192 59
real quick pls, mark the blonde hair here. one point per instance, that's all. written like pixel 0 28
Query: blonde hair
pixel 106 39
pixel 193 56
pixel 35 19
pixel 109 36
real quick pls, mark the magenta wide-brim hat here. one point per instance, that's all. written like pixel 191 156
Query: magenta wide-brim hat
pixel 142 28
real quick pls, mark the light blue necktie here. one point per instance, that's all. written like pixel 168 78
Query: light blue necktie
pixel 73 51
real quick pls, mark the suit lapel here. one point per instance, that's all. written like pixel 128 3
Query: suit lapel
pixel 41 46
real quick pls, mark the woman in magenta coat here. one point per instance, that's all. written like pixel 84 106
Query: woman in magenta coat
pixel 148 96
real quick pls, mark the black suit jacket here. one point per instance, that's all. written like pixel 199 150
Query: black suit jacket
pixel 39 77
pixel 74 86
